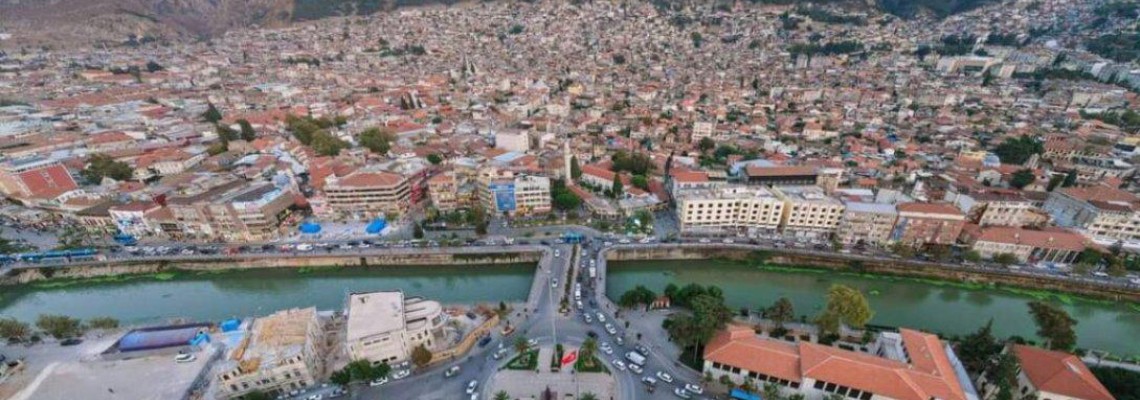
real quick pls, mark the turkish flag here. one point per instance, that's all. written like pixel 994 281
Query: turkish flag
pixel 570 357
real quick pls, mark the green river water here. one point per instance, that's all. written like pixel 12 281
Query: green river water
pixel 929 305
pixel 934 306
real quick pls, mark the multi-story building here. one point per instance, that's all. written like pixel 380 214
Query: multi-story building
pixel 994 208
pixel 233 211
pixel 869 223
pixel 1028 245
pixel 443 190
pixel 928 224
pixel 282 353
pixel 131 218
pixel 35 178
pixel 729 209
pixel 503 191
pixel 808 212
pixel 384 327
pixel 367 193
pixel 701 130
pixel 1100 212
pixel 1050 375
pixel 908 365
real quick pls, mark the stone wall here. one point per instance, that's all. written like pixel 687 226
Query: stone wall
pixel 432 257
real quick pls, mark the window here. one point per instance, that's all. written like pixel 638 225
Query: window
pixel 819 385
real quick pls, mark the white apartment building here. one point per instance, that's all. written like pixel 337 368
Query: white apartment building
pixel 729 209
pixel 1102 213
pixel 282 353
pixel 386 326
pixel 808 211
pixel 505 192
pixel 870 223
pixel 702 130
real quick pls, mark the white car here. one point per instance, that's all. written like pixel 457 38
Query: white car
pixel 682 393
pixel 588 318
pixel 605 347
pixel 728 241
pixel 619 364
pixel 554 283
pixel 378 382
pixel 601 317
pixel 624 241
pixel 401 374
pixel 471 386
pixel 532 342
pixel 184 358
pixel 704 241
pixel 664 377
pixel 635 368
pixel 694 388
pixel 610 328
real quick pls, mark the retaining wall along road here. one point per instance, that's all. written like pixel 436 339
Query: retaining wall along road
pixel 874 265
pixel 380 258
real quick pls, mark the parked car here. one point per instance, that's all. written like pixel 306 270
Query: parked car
pixel 681 393
pixel 184 358
pixel 664 377
pixel 694 388
pixel 378 382
pixel 451 372
pixel 635 368
pixel 619 364
pixel 471 386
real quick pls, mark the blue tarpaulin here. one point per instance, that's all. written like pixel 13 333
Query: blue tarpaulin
pixel 310 228
pixel 743 395
pixel 230 325
pixel 376 226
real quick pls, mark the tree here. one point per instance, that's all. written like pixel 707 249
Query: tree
pixel 640 182
pixel 1018 150
pixel 434 158
pixel 521 344
pixel 780 312
pixel 256 395
pixel 845 305
pixel 637 296
pixel 376 140
pixel 218 147
pixel 14 330
pixel 1070 179
pixel 1122 383
pixel 421 356
pixel 567 201
pixel 575 169
pixel 247 132
pixel 706 144
pixel 588 396
pixel 671 291
pixel 326 144
pixel 977 349
pixel 101 165
pixel 502 395
pixel 972 256
pixel 225 133
pixel 59 326
pixel 1004 375
pixel 771 391
pixel 211 115
pixel 902 250
pixel 1005 259
pixel 616 189
pixel 1054 325
pixel 1022 178
pixel 418 231
pixel 589 348
pixel 103 323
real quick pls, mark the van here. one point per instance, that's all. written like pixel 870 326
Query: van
pixel 635 358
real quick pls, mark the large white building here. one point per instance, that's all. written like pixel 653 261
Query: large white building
pixel 386 326
pixel 808 211
pixel 870 223
pixel 503 191
pixel 729 209
pixel 1101 213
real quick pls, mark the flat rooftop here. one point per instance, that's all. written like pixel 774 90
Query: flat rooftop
pixel 375 312
pixel 149 378
pixel 731 192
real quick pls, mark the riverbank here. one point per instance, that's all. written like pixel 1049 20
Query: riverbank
pixel 1034 285
pixel 949 308
pixel 117 270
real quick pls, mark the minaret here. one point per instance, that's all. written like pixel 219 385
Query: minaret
pixel 566 160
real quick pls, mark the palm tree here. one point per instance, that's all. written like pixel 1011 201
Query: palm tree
pixel 502 395
pixel 521 344
pixel 588 396
pixel 589 348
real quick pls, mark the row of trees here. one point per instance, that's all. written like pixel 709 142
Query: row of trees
pixel 56 326
pixel 313 132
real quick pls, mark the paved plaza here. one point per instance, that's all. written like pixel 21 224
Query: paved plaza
pixel 566 384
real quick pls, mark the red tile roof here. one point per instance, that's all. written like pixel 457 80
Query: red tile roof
pixel 929 208
pixel 928 375
pixel 1054 238
pixel 1060 373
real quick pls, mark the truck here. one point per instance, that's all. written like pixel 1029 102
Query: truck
pixel 635 358
pixel 593 272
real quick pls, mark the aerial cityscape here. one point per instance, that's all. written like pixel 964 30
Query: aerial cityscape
pixel 570 199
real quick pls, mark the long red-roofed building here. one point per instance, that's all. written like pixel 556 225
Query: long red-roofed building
pixel 908 365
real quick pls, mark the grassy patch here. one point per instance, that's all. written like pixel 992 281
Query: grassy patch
pixel 591 364
pixel 527 361
pixel 56 284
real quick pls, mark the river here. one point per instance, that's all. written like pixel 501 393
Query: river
pixel 215 296
pixel 927 305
